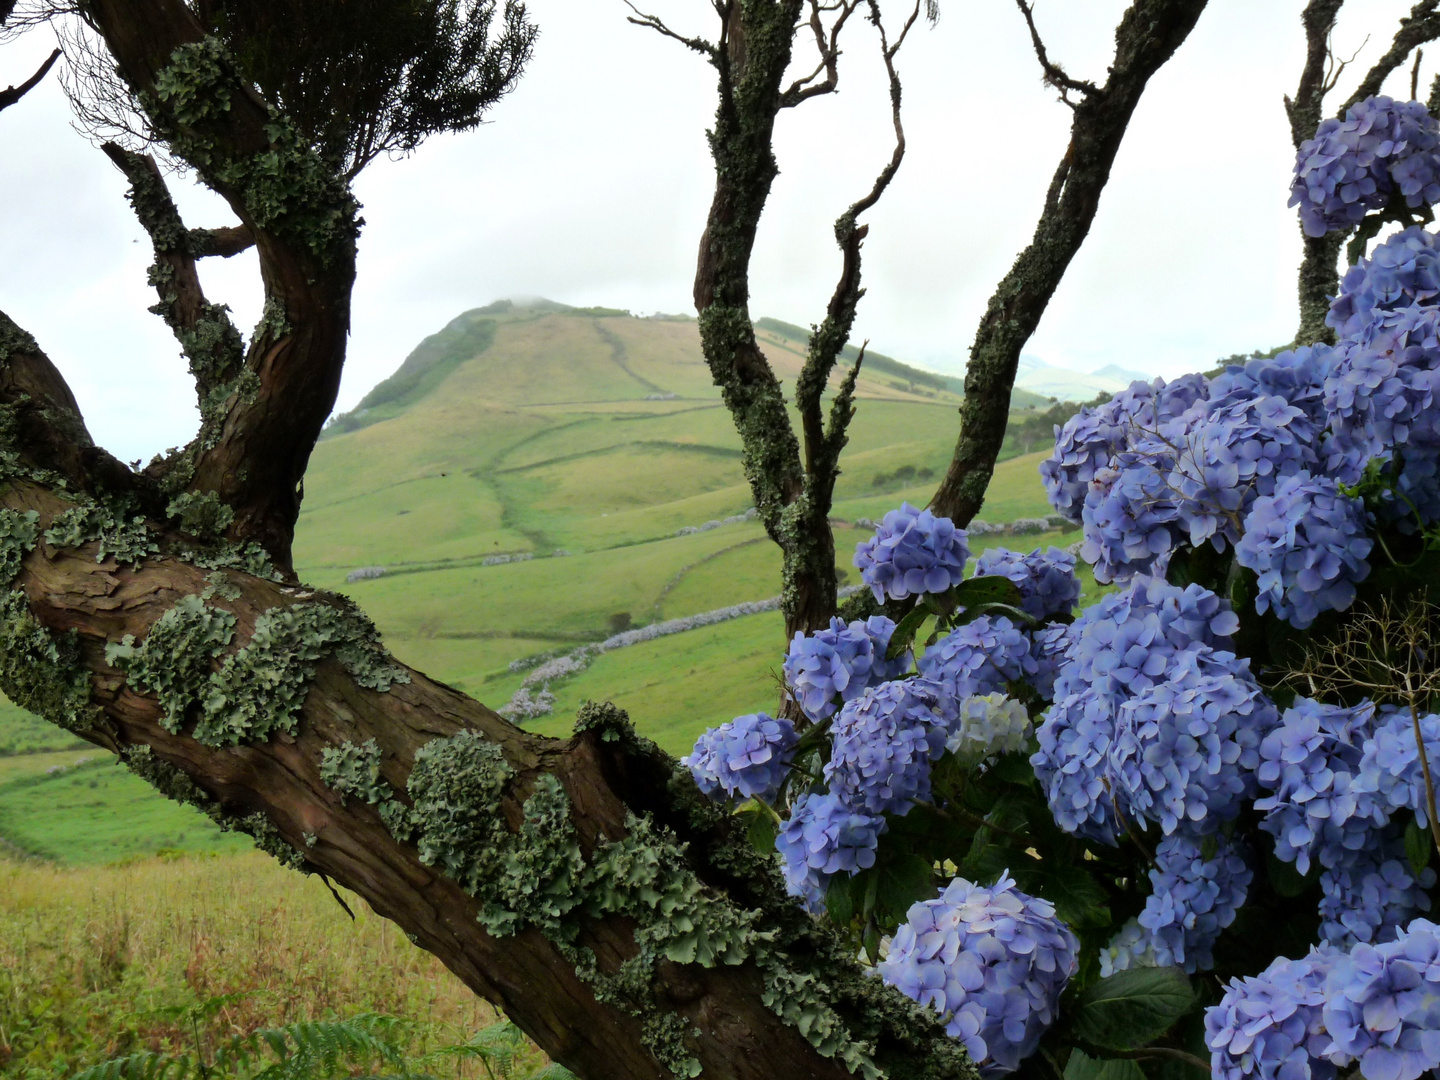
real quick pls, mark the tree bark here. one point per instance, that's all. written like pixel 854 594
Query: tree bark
pixel 1148 35
pixel 600 990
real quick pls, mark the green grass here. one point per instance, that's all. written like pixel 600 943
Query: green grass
pixel 23 733
pixel 90 811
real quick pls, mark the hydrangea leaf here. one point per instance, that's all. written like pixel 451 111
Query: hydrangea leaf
pixel 1082 1066
pixel 1132 1008
pixel 1079 899
pixel 1418 845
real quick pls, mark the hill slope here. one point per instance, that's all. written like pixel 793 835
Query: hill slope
pixel 533 479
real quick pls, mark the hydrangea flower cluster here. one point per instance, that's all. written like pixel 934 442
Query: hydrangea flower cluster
pixel 1389 768
pixel 1131 516
pixel 1309 764
pixel 747 757
pixel 1296 376
pixel 1353 165
pixel 1382 1006
pixel 979 657
pixel 1401 272
pixel 1046 579
pixel 884 743
pixel 1373 894
pixel 1090 440
pixel 840 662
pixel 824 837
pixel 1307 544
pixel 1185 750
pixel 1271 1026
pixel 986 726
pixel 1192 899
pixel 991 961
pixel 912 552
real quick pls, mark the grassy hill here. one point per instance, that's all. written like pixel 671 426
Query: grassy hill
pixel 586 447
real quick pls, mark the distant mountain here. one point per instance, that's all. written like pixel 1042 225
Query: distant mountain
pixel 1063 384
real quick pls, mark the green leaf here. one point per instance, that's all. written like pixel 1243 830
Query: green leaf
pixel 987 590
pixel 1285 879
pixel 1079 899
pixel 902 882
pixel 840 899
pixel 1132 1008
pixel 905 632
pixel 1082 1066
pixel 1419 845
pixel 761 832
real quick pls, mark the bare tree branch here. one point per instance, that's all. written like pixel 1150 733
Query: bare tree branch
pixel 1054 74
pixel 10 95
pixel 654 22
pixel 827 43
pixel 1420 26
pixel 1148 35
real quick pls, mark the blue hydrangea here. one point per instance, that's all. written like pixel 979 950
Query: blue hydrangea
pixel 1382 1006
pixel 992 962
pixel 824 837
pixel 1307 544
pixel 1297 376
pixel 1374 894
pixel 1192 899
pixel 1417 487
pixel 1353 165
pixel 1126 639
pixel 1048 648
pixel 979 657
pixel 884 743
pixel 1381 391
pixel 1389 768
pixel 1235 455
pixel 1309 764
pixel 1090 440
pixel 1185 749
pixel 1131 518
pixel 840 662
pixel 1132 947
pixel 747 757
pixel 1402 271
pixel 912 552
pixel 1046 579
pixel 1118 649
pixel 1271 1026
pixel 1073 764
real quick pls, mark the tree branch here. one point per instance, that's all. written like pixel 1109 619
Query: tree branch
pixel 206 334
pixel 225 242
pixel 260 419
pixel 584 886
pixel 1420 26
pixel 654 22
pixel 1054 74
pixel 1148 35
pixel 11 94
pixel 827 43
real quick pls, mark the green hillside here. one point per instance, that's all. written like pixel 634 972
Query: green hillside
pixel 533 479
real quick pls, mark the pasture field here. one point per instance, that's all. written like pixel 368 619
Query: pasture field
pixel 590 444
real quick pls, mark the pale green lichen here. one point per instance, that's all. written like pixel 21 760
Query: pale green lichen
pixel 219 584
pixel 201 513
pixel 18 533
pixel 353 771
pixel 41 671
pixel 175 660
pixel 249 558
pixel 260 689
pixel 119 533
pixel 456 786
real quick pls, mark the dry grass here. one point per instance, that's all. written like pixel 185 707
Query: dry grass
pixel 92 959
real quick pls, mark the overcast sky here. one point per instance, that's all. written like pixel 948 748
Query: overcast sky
pixel 591 182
